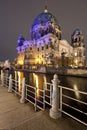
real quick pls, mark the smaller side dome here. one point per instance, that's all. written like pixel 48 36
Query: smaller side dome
pixel 76 32
pixel 77 36
pixel 20 40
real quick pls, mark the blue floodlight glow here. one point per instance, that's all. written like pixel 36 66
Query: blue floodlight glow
pixel 43 24
pixel 20 40
pixel 43 18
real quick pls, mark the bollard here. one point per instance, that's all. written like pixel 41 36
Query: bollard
pixel 54 113
pixel 10 84
pixel 22 100
pixel 2 78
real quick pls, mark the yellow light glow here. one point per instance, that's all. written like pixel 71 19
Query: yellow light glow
pixel 21 60
pixel 45 81
pixel 76 61
pixel 75 53
pixel 36 83
pixel 76 92
pixel 38 61
pixel 20 78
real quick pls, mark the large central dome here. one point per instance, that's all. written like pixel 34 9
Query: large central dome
pixel 43 24
pixel 44 17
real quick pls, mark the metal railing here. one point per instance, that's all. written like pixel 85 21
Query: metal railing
pixel 48 93
pixel 66 103
pixel 15 87
pixel 6 81
pixel 36 96
pixel 40 98
pixel 72 105
pixel 0 79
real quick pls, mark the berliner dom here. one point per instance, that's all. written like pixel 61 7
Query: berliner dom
pixel 46 46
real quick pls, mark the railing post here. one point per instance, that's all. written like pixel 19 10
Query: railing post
pixel 44 98
pixel 60 98
pixel 22 100
pixel 15 82
pixel 51 90
pixel 2 78
pixel 54 113
pixel 10 84
pixel 35 98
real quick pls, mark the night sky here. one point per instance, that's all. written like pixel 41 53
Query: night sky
pixel 17 16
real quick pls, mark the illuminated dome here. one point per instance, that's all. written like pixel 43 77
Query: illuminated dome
pixel 77 37
pixel 43 24
pixel 77 32
pixel 43 18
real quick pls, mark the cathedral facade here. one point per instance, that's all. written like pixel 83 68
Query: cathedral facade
pixel 46 46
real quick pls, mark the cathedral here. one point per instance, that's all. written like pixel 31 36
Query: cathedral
pixel 46 46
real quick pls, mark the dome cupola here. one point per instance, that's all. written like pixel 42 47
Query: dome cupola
pixel 77 37
pixel 43 24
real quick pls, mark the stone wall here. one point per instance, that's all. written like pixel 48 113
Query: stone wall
pixel 77 71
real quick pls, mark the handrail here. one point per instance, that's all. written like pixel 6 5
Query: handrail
pixel 82 92
pixel 74 108
pixel 40 98
pixel 69 97
pixel 74 99
pixel 33 90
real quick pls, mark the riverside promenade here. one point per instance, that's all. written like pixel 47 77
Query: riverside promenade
pixel 17 116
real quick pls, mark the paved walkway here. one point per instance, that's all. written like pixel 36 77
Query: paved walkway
pixel 16 116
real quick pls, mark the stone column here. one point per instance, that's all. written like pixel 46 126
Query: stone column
pixel 54 113
pixel 10 84
pixel 22 100
pixel 2 78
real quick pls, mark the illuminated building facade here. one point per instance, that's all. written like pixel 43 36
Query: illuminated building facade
pixel 78 45
pixel 46 46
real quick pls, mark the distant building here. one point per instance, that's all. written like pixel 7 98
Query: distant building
pixel 46 46
pixel 1 64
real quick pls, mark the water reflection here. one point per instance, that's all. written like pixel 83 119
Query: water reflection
pixel 19 76
pixel 36 83
pixel 76 83
pixel 75 87
pixel 37 80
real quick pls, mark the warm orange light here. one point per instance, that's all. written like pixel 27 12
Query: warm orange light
pixel 75 53
pixel 20 78
pixel 21 60
pixel 36 83
pixel 76 92
pixel 38 61
pixel 76 61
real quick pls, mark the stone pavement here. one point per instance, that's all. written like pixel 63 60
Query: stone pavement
pixel 16 116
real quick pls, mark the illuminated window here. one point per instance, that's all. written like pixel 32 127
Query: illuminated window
pixel 46 46
pixel 30 48
pixel 42 48
pixel 75 53
pixel 37 49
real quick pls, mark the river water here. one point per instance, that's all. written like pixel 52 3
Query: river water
pixel 76 83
